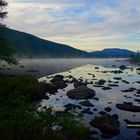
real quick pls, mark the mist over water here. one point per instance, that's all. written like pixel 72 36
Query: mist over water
pixel 42 67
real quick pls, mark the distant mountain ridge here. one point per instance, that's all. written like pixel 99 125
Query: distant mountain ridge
pixel 112 52
pixel 28 45
pixel 31 46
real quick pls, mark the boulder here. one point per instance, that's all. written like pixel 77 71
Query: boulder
pixel 108 125
pixel 78 84
pixel 127 107
pixel 81 93
pixel 57 78
pixel 60 84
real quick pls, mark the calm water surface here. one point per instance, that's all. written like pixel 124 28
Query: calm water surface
pixel 42 67
pixel 115 95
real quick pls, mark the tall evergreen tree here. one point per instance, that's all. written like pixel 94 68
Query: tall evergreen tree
pixel 6 51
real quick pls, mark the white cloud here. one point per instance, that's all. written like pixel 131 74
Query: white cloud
pixel 88 25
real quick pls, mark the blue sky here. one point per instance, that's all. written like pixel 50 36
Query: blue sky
pixel 84 24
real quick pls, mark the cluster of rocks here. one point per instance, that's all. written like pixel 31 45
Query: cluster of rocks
pixel 59 82
pixel 107 124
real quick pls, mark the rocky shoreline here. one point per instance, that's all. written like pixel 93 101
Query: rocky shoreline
pixel 84 95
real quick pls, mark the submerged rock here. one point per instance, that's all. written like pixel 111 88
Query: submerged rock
pixel 106 88
pixel 128 90
pixel 108 109
pixel 113 85
pixel 123 67
pixel 127 107
pixel 79 83
pixel 86 103
pixel 81 93
pixel 108 125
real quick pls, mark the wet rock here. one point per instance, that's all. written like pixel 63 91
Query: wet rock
pixel 138 91
pixel 98 86
pixel 127 107
pixel 124 81
pixel 116 116
pixel 79 83
pixel 58 77
pixel 138 82
pixel 128 103
pixel 116 71
pixel 127 90
pixel 128 97
pixel 86 103
pixel 113 85
pixel 127 121
pixel 87 111
pixel 102 113
pixel 117 78
pixel 91 74
pixel 49 87
pixel 109 102
pixel 137 100
pixel 71 106
pixel 81 93
pixel 108 125
pixel 123 67
pixel 100 82
pixel 60 84
pixel 96 68
pixel 106 88
pixel 108 109
pixel 95 109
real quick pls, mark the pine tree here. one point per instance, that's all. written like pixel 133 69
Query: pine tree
pixel 6 51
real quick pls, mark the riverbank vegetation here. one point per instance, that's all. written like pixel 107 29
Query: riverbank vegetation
pixel 20 118
pixel 136 57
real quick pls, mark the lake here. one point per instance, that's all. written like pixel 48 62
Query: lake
pixel 84 69
pixel 42 67
pixel 107 98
